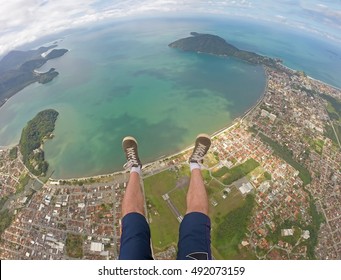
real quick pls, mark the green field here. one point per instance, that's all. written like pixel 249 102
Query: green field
pixel 233 200
pixel 231 230
pixel 333 107
pixel 220 172
pixel 13 153
pixel 74 245
pixel 337 127
pixel 329 132
pixel 23 181
pixel 164 225
pixel 178 197
pixel 318 146
pixel 211 159
pixel 6 218
pixel 228 176
pixel 315 144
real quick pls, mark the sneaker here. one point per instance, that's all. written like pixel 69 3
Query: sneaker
pixel 129 145
pixel 202 144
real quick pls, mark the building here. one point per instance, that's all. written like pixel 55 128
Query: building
pixel 287 232
pixel 96 247
pixel 246 188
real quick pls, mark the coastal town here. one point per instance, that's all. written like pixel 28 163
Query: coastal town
pixel 287 146
pixel 298 113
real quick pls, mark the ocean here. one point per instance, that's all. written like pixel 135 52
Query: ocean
pixel 120 78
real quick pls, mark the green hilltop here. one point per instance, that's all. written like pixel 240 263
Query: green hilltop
pixel 213 44
pixel 32 137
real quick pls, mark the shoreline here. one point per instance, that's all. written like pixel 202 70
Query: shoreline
pixel 311 78
pixel 234 122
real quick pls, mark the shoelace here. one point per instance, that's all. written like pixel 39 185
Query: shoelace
pixel 199 153
pixel 131 155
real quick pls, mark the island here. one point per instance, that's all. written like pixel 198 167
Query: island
pixel 215 45
pixel 32 138
pixel 18 69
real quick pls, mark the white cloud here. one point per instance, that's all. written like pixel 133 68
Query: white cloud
pixel 22 21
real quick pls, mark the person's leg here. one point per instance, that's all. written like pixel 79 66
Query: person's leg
pixel 133 201
pixel 194 233
pixel 135 238
pixel 197 200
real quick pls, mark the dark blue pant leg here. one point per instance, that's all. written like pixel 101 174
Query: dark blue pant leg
pixel 195 237
pixel 135 238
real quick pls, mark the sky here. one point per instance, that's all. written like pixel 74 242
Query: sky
pixel 23 21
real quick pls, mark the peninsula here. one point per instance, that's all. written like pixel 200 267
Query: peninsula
pixel 213 44
pixel 17 69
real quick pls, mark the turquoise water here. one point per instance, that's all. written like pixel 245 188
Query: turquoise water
pixel 122 79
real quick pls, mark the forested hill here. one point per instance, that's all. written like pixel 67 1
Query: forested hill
pixel 212 44
pixel 14 59
pixel 32 137
pixel 17 69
